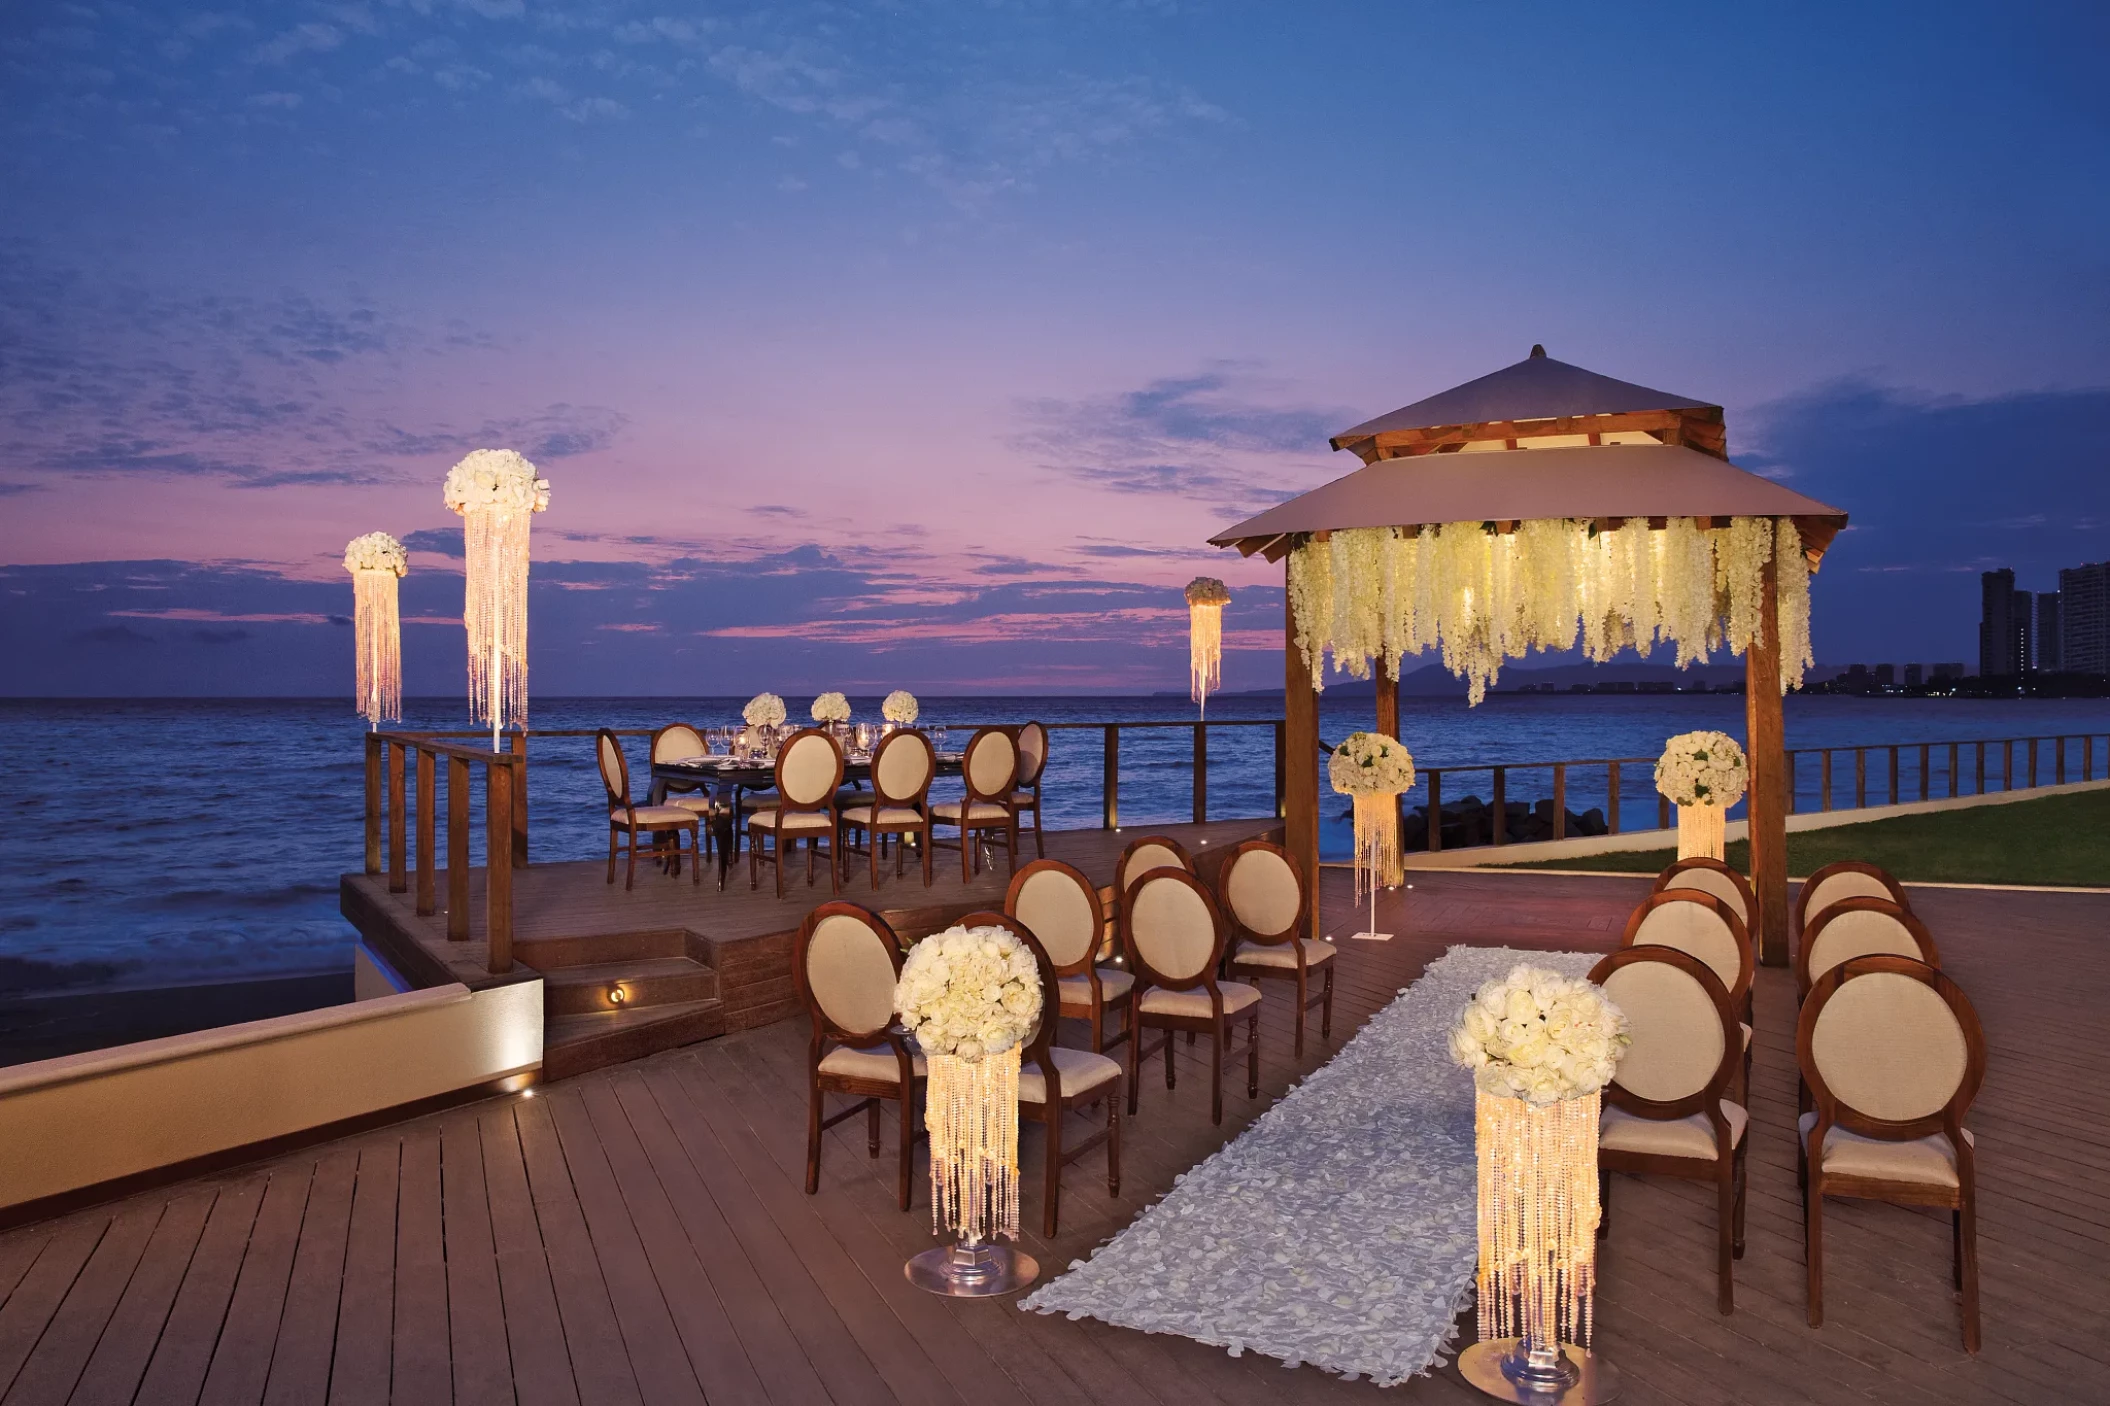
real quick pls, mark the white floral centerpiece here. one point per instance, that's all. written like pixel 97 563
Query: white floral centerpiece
pixel 1540 1046
pixel 1702 774
pixel 1372 769
pixel 831 708
pixel 763 710
pixel 900 708
pixel 970 997
pixel 495 478
pixel 376 551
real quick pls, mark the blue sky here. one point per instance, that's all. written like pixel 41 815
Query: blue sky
pixel 927 343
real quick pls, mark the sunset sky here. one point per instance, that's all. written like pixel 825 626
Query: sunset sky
pixel 922 344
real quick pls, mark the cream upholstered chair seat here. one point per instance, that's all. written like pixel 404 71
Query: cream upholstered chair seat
pixel 980 810
pixel 1079 1070
pixel 888 815
pixel 1194 1004
pixel 794 823
pixel 1278 954
pixel 653 815
pixel 1621 1131
pixel 695 802
pixel 1113 985
pixel 871 1062
pixel 1023 798
pixel 1929 1161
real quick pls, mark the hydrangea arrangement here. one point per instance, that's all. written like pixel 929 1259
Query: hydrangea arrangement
pixel 1702 769
pixel 763 710
pixel 1371 764
pixel 900 707
pixel 376 551
pixel 968 992
pixel 1539 1036
pixel 495 478
pixel 831 708
pixel 1207 590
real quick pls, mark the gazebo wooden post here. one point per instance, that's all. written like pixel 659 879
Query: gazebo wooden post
pixel 1388 724
pixel 1767 802
pixel 1300 784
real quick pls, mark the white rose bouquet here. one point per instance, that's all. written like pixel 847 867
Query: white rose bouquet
pixel 969 992
pixel 1702 769
pixel 831 708
pixel 495 478
pixel 1371 764
pixel 763 710
pixel 376 551
pixel 1539 1036
pixel 900 707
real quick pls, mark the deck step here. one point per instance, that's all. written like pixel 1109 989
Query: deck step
pixel 656 981
pixel 574 1044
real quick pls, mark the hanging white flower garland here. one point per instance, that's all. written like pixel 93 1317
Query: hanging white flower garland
pixel 1480 596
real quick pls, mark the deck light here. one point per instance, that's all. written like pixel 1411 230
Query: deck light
pixel 617 995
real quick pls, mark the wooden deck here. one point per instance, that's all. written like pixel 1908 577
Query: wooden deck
pixel 639 1234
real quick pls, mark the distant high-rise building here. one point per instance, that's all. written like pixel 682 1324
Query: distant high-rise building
pixel 1951 671
pixel 2084 618
pixel 2051 651
pixel 1914 676
pixel 1886 674
pixel 1996 626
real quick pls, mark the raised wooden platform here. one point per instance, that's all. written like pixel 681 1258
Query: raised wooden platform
pixel 690 961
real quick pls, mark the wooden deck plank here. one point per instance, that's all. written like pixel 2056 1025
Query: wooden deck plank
pixel 363 1349
pixel 176 1372
pixel 36 1299
pixel 542 1367
pixel 111 1374
pixel 18 1251
pixel 307 1333
pixel 476 1320
pixel 55 1364
pixel 241 1363
pixel 419 1369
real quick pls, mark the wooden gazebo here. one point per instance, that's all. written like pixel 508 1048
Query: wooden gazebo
pixel 1546 440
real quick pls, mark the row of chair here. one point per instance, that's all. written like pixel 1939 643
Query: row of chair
pixel 1179 946
pixel 1889 1050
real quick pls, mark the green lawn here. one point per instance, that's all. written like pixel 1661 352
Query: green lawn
pixel 2054 840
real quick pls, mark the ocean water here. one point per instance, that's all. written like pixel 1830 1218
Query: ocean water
pixel 150 842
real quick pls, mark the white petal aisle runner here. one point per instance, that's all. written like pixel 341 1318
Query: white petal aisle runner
pixel 1340 1228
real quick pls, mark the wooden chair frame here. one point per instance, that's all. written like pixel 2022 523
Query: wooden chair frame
pixel 787 807
pixel 970 858
pixel 919 802
pixel 1213 1025
pixel 1291 935
pixel 1961 1200
pixel 1093 1013
pixel 869 1093
pixel 693 795
pixel 1844 866
pixel 1747 969
pixel 1906 919
pixel 1122 878
pixel 1025 793
pixel 630 827
pixel 1665 881
pixel 1726 1170
pixel 1056 1154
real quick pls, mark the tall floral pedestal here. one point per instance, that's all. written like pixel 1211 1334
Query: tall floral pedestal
pixel 1538 1253
pixel 1700 832
pixel 971 1112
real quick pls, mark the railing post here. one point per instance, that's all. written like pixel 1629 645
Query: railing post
pixel 498 863
pixel 1926 769
pixel 397 883
pixel 1789 769
pixel 457 850
pixel 2088 757
pixel 2032 763
pixel 2059 761
pixel 1860 778
pixel 1281 767
pixel 1110 795
pixel 2007 764
pixel 1955 772
pixel 517 745
pixel 1981 768
pixel 1201 773
pixel 1893 774
pixel 1435 810
pixel 1560 800
pixel 1824 776
pixel 1611 813
pixel 427 805
pixel 1662 811
pixel 373 803
pixel 1500 833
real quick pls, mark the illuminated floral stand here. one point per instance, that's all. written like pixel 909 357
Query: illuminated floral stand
pixel 1702 774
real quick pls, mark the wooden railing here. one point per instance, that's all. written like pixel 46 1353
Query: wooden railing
pixel 392 807
pixel 1110 773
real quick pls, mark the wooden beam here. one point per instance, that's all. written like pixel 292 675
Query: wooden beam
pixel 1766 801
pixel 1300 784
pixel 1397 444
pixel 1388 724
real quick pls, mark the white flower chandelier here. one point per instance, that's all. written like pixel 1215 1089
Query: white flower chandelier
pixel 497 492
pixel 1206 599
pixel 377 562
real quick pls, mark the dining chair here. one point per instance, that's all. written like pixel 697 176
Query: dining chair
pixel 1055 1081
pixel 989 768
pixel 679 742
pixel 1146 853
pixel 1666 1111
pixel 1062 909
pixel 809 768
pixel 1893 1055
pixel 1261 893
pixel 1860 926
pixel 903 766
pixel 1173 938
pixel 1842 879
pixel 1712 876
pixel 626 822
pixel 1702 925
pixel 845 962
pixel 1032 761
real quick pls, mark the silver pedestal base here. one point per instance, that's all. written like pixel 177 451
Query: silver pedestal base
pixel 1573 1378
pixel 971 1271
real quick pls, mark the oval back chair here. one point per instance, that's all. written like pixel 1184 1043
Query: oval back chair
pixel 1262 893
pixel 903 767
pixel 989 771
pixel 628 822
pixel 1712 876
pixel 809 768
pixel 1843 879
pixel 1860 927
pixel 1147 853
pixel 1893 1055
pixel 1032 761
pixel 1063 910
pixel 844 962
pixel 679 742
pixel 1666 1111
pixel 1701 925
pixel 1173 937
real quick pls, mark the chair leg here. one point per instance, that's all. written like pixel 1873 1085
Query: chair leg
pixel 872 1128
pixel 1326 1009
pixel 1051 1171
pixel 611 854
pixel 872 850
pixel 1813 1246
pixel 695 852
pixel 1135 1061
pixel 1040 848
pixel 1743 1194
pixel 966 836
pixel 1113 1142
pixel 777 854
pixel 630 878
pixel 754 862
pixel 813 1132
pixel 1216 1073
pixel 908 1143
pixel 1968 1234
pixel 1171 1071
pixel 1725 1235
pixel 813 849
pixel 1252 1054
pixel 1098 1027
pixel 928 850
pixel 1298 1046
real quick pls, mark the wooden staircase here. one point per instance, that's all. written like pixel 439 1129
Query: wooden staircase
pixel 610 999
